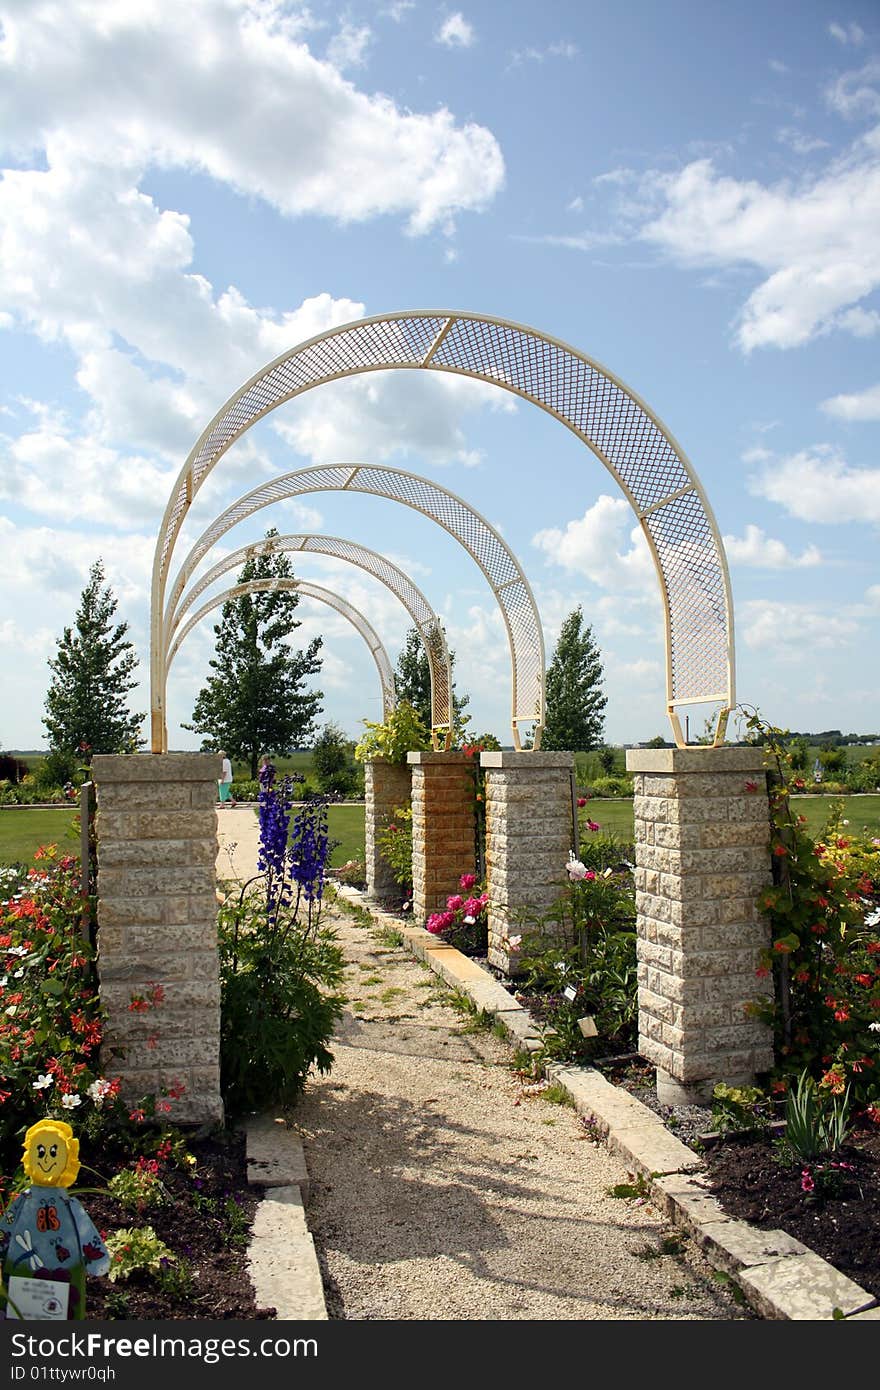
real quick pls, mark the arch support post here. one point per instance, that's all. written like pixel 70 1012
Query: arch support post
pixel 528 838
pixel 702 831
pixel 444 827
pixel 156 830
pixel 386 787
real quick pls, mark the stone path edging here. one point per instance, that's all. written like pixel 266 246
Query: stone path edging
pixel 282 1261
pixel 782 1279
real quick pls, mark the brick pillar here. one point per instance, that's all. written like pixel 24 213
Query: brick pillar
pixel 156 827
pixel 702 858
pixel 443 827
pixel 528 837
pixel 386 786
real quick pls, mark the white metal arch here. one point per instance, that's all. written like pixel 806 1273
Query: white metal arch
pixel 422 615
pixel 482 542
pixel 316 591
pixel 636 448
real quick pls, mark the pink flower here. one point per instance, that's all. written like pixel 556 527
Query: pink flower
pixel 751 786
pixel 467 881
pixel 807 1184
pixel 474 906
pixel 439 922
pixel 454 902
pixel 575 869
pixel 582 801
pixel 592 825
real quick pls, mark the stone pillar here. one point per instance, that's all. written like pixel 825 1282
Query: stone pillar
pixel 386 786
pixel 156 828
pixel 529 835
pixel 702 858
pixel 443 827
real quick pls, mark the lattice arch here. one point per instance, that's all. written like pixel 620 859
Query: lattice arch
pixel 482 542
pixel 422 615
pixel 307 590
pixel 611 420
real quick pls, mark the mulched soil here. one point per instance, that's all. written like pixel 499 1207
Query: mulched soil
pixel 195 1226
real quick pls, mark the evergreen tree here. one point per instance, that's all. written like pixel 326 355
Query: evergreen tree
pixel 412 682
pixel 575 703
pixel 86 703
pixel 255 700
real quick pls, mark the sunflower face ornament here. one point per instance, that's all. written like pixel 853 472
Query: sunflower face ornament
pixel 47 1242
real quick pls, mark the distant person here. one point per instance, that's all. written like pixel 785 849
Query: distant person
pixel 266 774
pixel 225 782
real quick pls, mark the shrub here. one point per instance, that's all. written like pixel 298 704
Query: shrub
pixel 402 732
pixel 395 841
pixel 823 910
pixel 331 761
pixel 278 964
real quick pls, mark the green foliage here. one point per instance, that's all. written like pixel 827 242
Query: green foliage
pixel 396 843
pixel 140 1188
pixel 402 732
pixel 331 760
pixel 816 1123
pixel 823 910
pixel 575 703
pixel 135 1248
pixel 86 703
pixel 580 957
pixel 736 1108
pixel 256 698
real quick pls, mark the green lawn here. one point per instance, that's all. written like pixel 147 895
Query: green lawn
pixel 22 831
pixel 346 823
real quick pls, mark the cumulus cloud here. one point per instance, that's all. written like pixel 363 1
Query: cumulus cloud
pixel 757 550
pixel 594 546
pixel 857 93
pixel 818 485
pixel 857 405
pixel 793 631
pixel 456 32
pixel 243 99
pixel 348 47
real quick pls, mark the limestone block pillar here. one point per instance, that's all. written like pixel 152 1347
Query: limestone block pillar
pixel 443 827
pixel 386 787
pixel 702 858
pixel 156 829
pixel 529 835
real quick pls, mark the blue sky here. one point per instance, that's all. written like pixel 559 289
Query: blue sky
pixel 688 193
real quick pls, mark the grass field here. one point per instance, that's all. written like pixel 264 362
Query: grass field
pixel 23 830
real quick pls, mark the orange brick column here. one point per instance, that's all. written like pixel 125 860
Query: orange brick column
pixel 443 827
pixel 386 787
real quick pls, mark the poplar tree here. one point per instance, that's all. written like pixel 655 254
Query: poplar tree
pixel 412 682
pixel 256 701
pixel 86 703
pixel 575 703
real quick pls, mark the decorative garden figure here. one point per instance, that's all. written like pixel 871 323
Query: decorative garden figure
pixel 47 1241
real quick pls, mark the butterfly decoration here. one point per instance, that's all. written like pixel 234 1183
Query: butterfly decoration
pixel 47 1217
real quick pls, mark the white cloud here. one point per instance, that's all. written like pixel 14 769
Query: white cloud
pixel 873 596
pixel 792 631
pixel 243 100
pixel 763 552
pixel 817 242
pixel 456 32
pixel 348 47
pixel 847 33
pixel 383 414
pixel 576 205
pixel 798 141
pixel 561 48
pixel 856 93
pixel 819 485
pixel 857 405
pixel 592 545
pixel 775 65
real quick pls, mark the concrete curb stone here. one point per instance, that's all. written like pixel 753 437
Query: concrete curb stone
pixel 781 1279
pixel 282 1260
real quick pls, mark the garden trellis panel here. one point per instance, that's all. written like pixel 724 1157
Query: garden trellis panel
pixel 639 452
pixel 422 615
pixel 315 591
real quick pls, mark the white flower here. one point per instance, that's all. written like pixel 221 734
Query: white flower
pixel 43 1081
pixel 70 1101
pixel 98 1090
pixel 469 921
pixel 4 981
pixel 575 869
pixel 18 974
pixel 874 1027
pixel 16 951
pixel 514 942
pixel 608 872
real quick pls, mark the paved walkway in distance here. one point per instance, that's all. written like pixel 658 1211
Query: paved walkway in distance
pixel 238 835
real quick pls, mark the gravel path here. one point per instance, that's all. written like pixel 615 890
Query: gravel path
pixel 444 1187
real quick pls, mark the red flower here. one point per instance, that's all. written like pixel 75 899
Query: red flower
pixel 751 786
pixel 780 851
pixel 582 801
